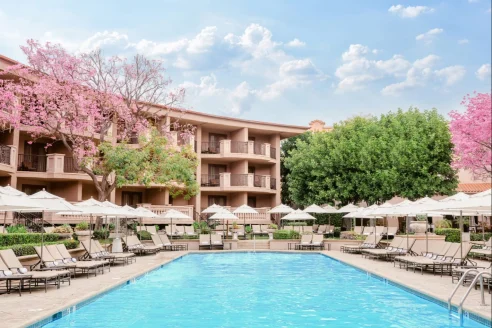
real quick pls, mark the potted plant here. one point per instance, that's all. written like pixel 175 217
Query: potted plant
pixel 420 225
pixel 271 229
pixel 235 227
pixel 82 231
pixel 63 230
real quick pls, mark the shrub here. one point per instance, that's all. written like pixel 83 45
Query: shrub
pixel 444 224
pixel 452 235
pixel 480 237
pixel 82 226
pixel 272 226
pixel 286 234
pixel 297 224
pixel 248 229
pixel 17 228
pixel 144 235
pixel 26 238
pixel 112 226
pixel 336 232
pixel 157 227
pixel 28 249
pixel 101 234
pixel 333 219
pixel 63 229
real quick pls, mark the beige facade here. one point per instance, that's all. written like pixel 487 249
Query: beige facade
pixel 239 163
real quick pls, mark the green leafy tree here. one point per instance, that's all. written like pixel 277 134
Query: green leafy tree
pixel 406 154
pixel 153 162
pixel 287 146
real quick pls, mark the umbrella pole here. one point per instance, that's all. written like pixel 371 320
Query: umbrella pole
pixel 172 232
pixel 461 235
pixel 483 228
pixel 90 234
pixel 406 229
pixel 426 233
pixel 42 235
pixel 4 219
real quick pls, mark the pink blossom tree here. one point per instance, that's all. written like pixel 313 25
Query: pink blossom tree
pixel 85 101
pixel 472 135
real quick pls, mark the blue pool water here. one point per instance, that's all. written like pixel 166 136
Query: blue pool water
pixel 259 290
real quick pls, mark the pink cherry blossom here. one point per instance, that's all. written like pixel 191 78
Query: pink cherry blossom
pixel 472 135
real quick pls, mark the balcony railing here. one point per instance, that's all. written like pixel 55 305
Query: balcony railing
pixel 273 153
pixel 273 183
pixel 259 148
pixel 239 180
pixel 210 180
pixel 69 165
pixel 4 154
pixel 260 181
pixel 210 147
pixel 239 147
pixel 34 163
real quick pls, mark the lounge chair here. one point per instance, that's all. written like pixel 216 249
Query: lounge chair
pixel 216 241
pixel 204 241
pixel 169 230
pixel 180 231
pixel 321 229
pixel 381 231
pixel 444 262
pixel 135 246
pixel 96 251
pixel 2 229
pixel 358 230
pixel 264 228
pixel 308 229
pixel 392 231
pixel 395 243
pixel 305 242
pixel 458 272
pixel 52 258
pixel 8 276
pixel 288 228
pixel 152 230
pixel 256 229
pixel 46 277
pixel 368 231
pixel 167 245
pixel 298 229
pixel 317 242
pixel 371 241
pixel 398 247
pixel 485 251
pixel 190 231
pixel 330 230
pixel 49 229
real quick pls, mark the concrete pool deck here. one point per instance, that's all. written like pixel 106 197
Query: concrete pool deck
pixel 23 311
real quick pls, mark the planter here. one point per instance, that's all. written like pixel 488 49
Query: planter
pixel 83 235
pixel 419 227
pixel 270 233
pixel 234 233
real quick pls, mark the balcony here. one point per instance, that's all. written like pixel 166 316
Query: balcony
pixel 238 149
pixel 31 163
pixel 227 181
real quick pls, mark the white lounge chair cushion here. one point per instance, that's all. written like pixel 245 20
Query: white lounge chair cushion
pixel 7 273
pixel 22 270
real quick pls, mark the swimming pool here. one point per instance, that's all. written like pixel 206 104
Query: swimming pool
pixel 259 290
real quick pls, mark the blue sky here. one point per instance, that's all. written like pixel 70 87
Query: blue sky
pixel 282 61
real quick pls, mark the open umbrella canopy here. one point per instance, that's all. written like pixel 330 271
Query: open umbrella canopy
pixel 330 208
pixel 214 208
pixel 8 190
pixel 143 212
pixel 298 215
pixel 245 209
pixel 482 205
pixel 348 208
pixel 354 214
pixel 483 193
pixel 175 215
pixel 281 209
pixel 384 209
pixel 224 215
pixel 315 209
pixel 19 203
pixel 459 196
pixel 52 202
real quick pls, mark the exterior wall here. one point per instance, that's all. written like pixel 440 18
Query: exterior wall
pixel 71 191
pixel 240 135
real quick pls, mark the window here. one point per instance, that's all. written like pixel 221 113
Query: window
pixel 218 200
pixel 251 201
pixel 251 138
pixel 251 169
pixel 32 189
pixel 131 198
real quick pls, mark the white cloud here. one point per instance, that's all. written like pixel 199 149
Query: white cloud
pixel 203 41
pixel 103 40
pixel 355 51
pixel 409 12
pixel 484 72
pixel 257 41
pixel 242 97
pixel 207 86
pixel 451 74
pixel 429 36
pixel 463 41
pixel 151 48
pixel 296 43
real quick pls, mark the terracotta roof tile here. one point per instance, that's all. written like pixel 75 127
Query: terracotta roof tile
pixel 473 188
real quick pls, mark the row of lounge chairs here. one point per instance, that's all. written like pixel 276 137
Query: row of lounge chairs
pixel 180 231
pixel 300 229
pixel 95 251
pixel 222 230
pixel 210 241
pixel 371 242
pixel 485 252
pixel 398 247
pixel 378 230
pixel 325 229
pixel 310 242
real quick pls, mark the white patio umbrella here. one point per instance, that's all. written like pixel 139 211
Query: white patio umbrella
pixel 315 209
pixel 176 215
pixel 330 208
pixel 298 215
pixel 224 215
pixel 244 209
pixel 487 192
pixel 144 212
pixel 8 190
pixel 348 208
pixel 214 208
pixel 281 209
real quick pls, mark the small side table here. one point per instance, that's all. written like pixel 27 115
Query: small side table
pixel 327 246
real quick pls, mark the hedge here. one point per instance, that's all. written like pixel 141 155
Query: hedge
pixel 144 235
pixel 28 249
pixel 453 235
pixel 286 234
pixel 296 224
pixel 10 239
